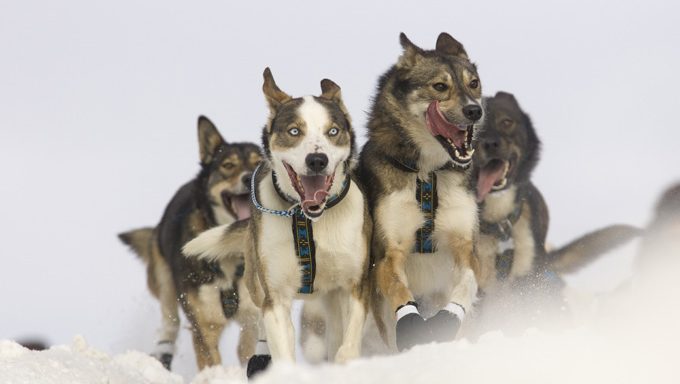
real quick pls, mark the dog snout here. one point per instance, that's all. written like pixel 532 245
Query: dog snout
pixel 316 162
pixel 491 143
pixel 473 112
pixel 245 179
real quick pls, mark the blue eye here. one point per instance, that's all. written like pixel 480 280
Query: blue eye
pixel 294 131
pixel 333 131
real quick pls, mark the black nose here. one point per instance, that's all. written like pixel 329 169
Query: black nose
pixel 491 143
pixel 246 179
pixel 472 112
pixel 316 162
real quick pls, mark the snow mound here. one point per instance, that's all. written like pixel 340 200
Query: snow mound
pixel 78 363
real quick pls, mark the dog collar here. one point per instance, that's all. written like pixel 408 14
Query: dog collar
pixel 412 167
pixel 333 201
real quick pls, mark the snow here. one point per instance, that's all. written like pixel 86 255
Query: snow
pixel 630 337
pixel 79 363
pixel 98 106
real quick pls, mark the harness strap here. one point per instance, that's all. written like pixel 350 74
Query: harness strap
pixel 303 233
pixel 426 196
pixel 502 231
pixel 305 248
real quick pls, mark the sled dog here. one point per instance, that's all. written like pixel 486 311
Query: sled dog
pixel 309 232
pixel 208 294
pixel 415 166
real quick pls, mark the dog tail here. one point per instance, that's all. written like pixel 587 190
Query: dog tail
pixel 139 241
pixel 590 246
pixel 219 242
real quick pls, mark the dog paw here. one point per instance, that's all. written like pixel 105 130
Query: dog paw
pixel 165 359
pixel 346 353
pixel 443 326
pixel 411 330
pixel 257 364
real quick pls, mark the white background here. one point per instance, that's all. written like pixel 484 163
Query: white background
pixel 99 100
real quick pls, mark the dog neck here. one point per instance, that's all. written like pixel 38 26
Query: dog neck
pixel 499 205
pixel 276 201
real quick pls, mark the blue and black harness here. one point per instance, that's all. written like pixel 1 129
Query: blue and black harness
pixel 303 232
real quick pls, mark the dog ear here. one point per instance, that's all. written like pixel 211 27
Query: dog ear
pixel 331 91
pixel 274 95
pixel 411 52
pixel 209 140
pixel 500 95
pixel 450 46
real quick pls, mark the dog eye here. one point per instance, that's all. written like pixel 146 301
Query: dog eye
pixel 441 87
pixel 474 84
pixel 294 131
pixel 228 166
pixel 333 131
pixel 507 123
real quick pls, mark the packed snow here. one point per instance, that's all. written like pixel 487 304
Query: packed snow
pixel 630 336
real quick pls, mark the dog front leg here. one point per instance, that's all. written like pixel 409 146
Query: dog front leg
pixel 446 323
pixel 279 328
pixel 393 284
pixel 351 341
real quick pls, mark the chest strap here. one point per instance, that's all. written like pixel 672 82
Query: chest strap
pixel 502 232
pixel 303 233
pixel 426 196
pixel 305 248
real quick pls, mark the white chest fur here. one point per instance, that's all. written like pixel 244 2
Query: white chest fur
pixel 399 218
pixel 497 207
pixel 338 236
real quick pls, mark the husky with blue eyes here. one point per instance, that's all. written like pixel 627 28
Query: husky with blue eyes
pixel 309 233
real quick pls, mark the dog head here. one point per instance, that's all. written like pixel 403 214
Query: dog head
pixel 508 147
pixel 309 139
pixel 441 95
pixel 226 170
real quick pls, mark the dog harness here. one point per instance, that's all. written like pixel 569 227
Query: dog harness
pixel 303 233
pixel 427 199
pixel 426 196
pixel 502 232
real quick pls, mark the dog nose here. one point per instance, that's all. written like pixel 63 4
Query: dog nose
pixel 491 143
pixel 316 162
pixel 472 112
pixel 245 179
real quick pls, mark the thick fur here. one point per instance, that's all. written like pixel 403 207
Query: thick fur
pixel 296 128
pixel 532 291
pixel 397 132
pixel 196 285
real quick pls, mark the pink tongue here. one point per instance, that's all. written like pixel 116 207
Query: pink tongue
pixel 241 206
pixel 488 176
pixel 440 126
pixel 315 190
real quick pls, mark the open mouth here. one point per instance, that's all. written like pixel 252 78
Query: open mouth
pixel 492 177
pixel 237 204
pixel 456 139
pixel 313 191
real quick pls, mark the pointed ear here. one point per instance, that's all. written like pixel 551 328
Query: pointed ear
pixel 275 96
pixel 500 95
pixel 331 91
pixel 450 46
pixel 209 140
pixel 411 52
